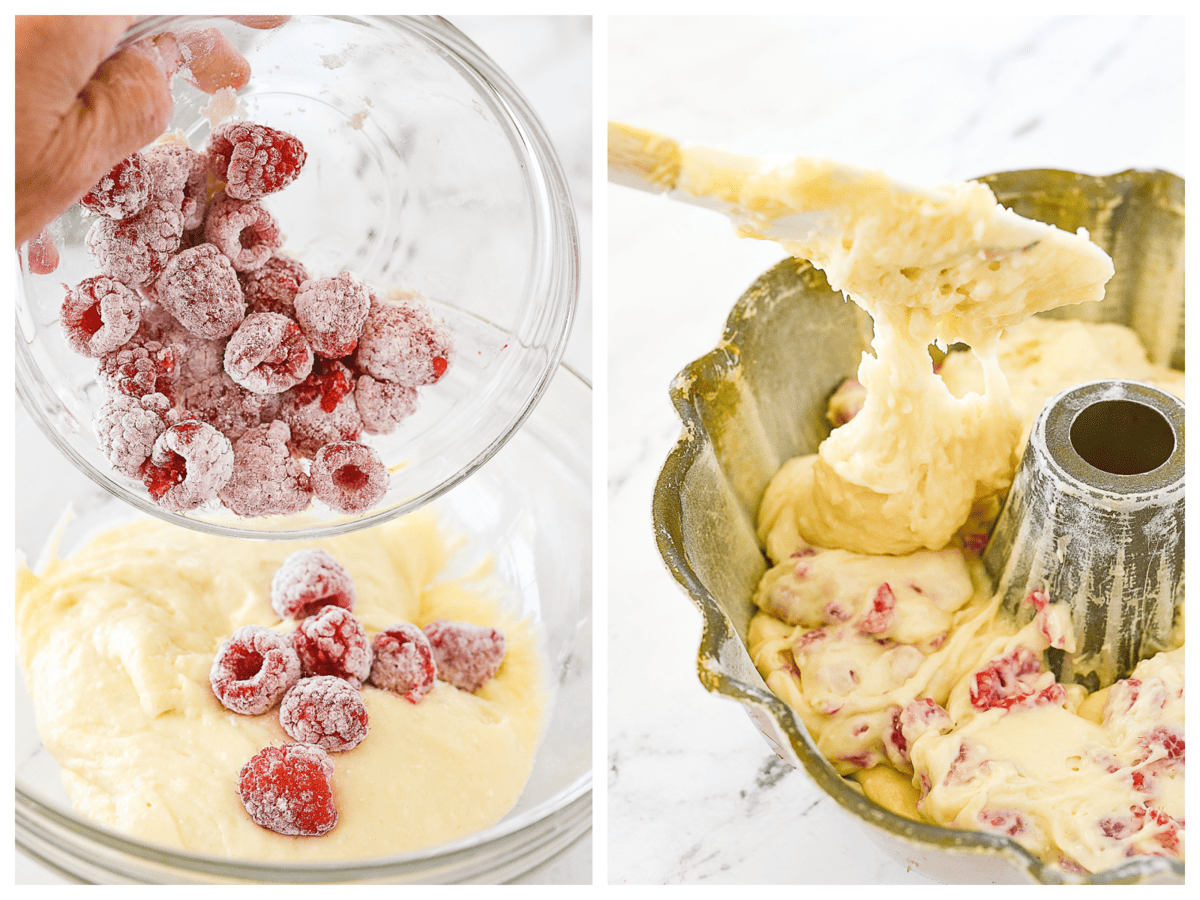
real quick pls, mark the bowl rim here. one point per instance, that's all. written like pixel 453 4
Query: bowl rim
pixel 718 633
pixel 558 272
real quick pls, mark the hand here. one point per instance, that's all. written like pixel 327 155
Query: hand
pixel 81 107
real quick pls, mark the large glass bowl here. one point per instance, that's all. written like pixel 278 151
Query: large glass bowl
pixel 529 508
pixel 426 170
pixel 759 399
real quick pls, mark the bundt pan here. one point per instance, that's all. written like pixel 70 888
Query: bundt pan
pixel 758 400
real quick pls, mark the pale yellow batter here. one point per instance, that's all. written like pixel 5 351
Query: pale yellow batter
pixel 116 644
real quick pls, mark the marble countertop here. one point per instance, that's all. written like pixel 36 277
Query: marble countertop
pixel 549 58
pixel 694 793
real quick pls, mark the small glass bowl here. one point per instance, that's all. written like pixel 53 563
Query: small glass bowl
pixel 754 402
pixel 529 508
pixel 426 170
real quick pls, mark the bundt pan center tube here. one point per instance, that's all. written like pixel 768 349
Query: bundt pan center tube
pixel 1095 518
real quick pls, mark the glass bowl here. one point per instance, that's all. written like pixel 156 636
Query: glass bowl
pixel 747 407
pixel 529 507
pixel 426 171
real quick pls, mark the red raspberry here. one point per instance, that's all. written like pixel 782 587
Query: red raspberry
pixel 200 289
pixel 100 315
pixel 178 178
pixel 329 383
pixel 254 160
pixel 42 253
pixel 309 580
pixel 190 462
pixel 242 230
pixel 253 669
pixel 127 427
pixel 289 789
pixel 227 406
pixel 140 368
pixel 333 643
pixel 403 343
pixel 313 427
pixel 123 192
pixel 332 311
pixel 273 286
pixel 348 477
pixel 403 662
pixel 268 354
pixel 135 249
pixel 267 480
pixel 324 711
pixel 882 613
pixel 1015 680
pixel 383 405
pixel 468 656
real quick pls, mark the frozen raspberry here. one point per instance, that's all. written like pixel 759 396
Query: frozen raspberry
pixel 1015 680
pixel 267 480
pixel 178 178
pixel 42 253
pixel 327 385
pixel 253 669
pixel 199 358
pixel 289 789
pixel 383 405
pixel 324 711
pixel 272 287
pixel 190 462
pixel 468 656
pixel 333 643
pixel 242 230
pixel 254 160
pixel 127 427
pixel 403 343
pixel 140 368
pixel 304 408
pixel 332 311
pixel 134 250
pixel 348 477
pixel 200 289
pixel 124 191
pixel 268 354
pixel 307 582
pixel 227 406
pixel 403 662
pixel 99 315
pixel 846 402
pixel 882 613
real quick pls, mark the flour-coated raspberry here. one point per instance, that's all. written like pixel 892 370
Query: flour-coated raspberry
pixel 99 315
pixel 325 711
pixel 403 662
pixel 243 230
pixel 267 480
pixel 200 288
pixel 289 790
pixel 348 477
pixel 127 427
pixel 468 656
pixel 268 354
pixel 313 425
pixel 308 581
pixel 123 191
pixel 227 406
pixel 253 669
pixel 403 343
pixel 140 367
pixel 272 286
pixel 190 462
pixel 383 405
pixel 42 253
pixel 134 249
pixel 332 311
pixel 333 642
pixel 178 178
pixel 254 160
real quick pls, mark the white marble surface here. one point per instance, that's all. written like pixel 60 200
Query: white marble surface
pixel 694 793
pixel 549 58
